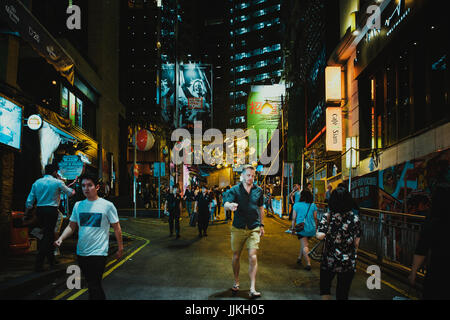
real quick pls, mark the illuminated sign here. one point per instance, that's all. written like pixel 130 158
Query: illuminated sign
pixel 71 167
pixel 10 123
pixel 34 122
pixel 333 83
pixel 264 110
pixel 352 154
pixel 334 129
pixel 72 107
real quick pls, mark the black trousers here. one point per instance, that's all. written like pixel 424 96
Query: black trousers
pixel 203 222
pixel 174 217
pixel 92 268
pixel 47 217
pixel 218 208
pixel 344 281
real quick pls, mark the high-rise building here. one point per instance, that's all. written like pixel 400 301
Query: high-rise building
pixel 138 59
pixel 255 39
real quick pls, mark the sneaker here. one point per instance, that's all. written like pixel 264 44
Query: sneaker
pixel 299 261
pixel 308 268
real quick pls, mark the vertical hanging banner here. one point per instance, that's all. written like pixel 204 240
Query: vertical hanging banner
pixel 195 95
pixel 334 129
pixel 167 95
pixel 264 110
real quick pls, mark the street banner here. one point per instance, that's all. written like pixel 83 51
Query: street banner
pixel 264 106
pixel 195 95
pixel 168 94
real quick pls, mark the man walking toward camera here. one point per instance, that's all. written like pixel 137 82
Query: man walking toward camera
pixel 93 217
pixel 203 208
pixel 46 193
pixel 246 200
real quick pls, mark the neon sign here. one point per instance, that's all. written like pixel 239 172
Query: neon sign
pixel 398 12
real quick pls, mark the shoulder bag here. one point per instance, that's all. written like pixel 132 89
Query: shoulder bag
pixel 300 226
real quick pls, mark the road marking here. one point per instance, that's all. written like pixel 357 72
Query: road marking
pixel 107 273
pixel 406 294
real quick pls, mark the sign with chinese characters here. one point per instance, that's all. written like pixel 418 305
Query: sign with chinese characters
pixel 365 190
pixel 334 129
pixel 71 167
pixel 159 169
pixel 264 108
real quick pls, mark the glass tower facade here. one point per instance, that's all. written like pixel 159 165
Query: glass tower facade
pixel 255 38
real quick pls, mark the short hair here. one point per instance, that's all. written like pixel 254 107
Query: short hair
pixel 96 180
pixel 341 201
pixel 50 168
pixel 247 166
pixel 306 196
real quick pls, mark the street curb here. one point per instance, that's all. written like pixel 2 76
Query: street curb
pixel 18 288
pixel 14 289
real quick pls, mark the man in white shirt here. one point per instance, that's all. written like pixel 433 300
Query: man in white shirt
pixel 93 217
pixel 46 193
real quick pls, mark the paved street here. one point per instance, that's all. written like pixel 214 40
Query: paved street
pixel 157 267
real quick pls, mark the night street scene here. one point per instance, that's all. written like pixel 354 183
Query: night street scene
pixel 224 158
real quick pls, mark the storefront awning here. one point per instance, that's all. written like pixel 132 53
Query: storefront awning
pixel 21 20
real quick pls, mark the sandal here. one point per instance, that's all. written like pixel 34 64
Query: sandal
pixel 254 294
pixel 235 288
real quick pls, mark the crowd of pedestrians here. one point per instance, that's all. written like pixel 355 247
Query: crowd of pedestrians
pixel 339 228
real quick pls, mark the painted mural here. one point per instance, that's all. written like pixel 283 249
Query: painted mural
pixel 407 187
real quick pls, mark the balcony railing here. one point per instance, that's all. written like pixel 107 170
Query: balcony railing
pixel 390 237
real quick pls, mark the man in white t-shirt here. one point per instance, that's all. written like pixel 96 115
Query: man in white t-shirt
pixel 93 217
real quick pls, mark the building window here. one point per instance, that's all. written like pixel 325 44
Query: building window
pixel 407 94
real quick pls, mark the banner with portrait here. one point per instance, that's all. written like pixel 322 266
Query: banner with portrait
pixel 168 94
pixel 195 95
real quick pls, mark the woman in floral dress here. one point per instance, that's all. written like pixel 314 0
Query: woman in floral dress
pixel 341 229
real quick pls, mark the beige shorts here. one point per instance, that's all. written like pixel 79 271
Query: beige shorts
pixel 239 237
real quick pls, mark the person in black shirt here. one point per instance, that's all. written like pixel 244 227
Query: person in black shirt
pixel 432 237
pixel 173 205
pixel 246 200
pixel 227 212
pixel 203 208
pixel 219 201
pixel 189 198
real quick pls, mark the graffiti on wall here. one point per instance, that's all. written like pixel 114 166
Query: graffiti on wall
pixel 407 187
